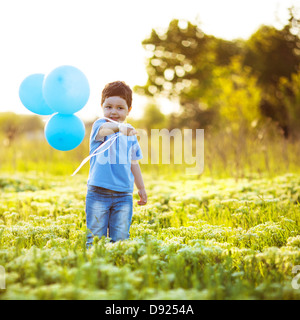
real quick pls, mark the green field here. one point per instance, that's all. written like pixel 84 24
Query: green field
pixel 195 239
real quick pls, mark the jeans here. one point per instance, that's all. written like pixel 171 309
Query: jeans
pixel 108 210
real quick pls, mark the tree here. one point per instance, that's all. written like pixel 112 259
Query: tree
pixel 181 65
pixel 290 94
pixel 12 124
pixel 185 63
pixel 153 118
pixel 274 54
pixel 182 61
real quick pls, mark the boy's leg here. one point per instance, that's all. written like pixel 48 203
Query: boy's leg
pixel 97 213
pixel 120 217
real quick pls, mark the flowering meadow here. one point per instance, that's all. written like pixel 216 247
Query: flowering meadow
pixel 195 239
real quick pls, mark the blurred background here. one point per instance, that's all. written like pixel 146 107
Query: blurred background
pixel 229 69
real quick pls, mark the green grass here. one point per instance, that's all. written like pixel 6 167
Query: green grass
pixel 195 239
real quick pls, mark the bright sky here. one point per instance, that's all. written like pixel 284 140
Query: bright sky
pixel 103 38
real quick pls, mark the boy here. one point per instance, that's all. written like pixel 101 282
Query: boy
pixel 113 172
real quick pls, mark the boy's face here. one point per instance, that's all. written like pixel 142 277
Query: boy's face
pixel 115 108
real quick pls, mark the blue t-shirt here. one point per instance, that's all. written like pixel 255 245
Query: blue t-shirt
pixel 111 169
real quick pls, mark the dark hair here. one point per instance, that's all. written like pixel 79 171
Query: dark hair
pixel 117 88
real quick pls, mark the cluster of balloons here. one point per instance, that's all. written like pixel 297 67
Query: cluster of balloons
pixel 61 93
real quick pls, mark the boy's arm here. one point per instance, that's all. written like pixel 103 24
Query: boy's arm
pixel 109 128
pixel 138 180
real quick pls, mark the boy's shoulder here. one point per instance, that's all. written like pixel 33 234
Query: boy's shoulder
pixel 99 120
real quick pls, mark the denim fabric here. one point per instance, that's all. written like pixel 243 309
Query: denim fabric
pixel 108 213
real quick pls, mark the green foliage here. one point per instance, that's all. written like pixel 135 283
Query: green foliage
pixel 233 100
pixel 205 239
pixel 273 54
pixel 152 118
pixel 210 77
pixel 290 94
pixel 12 125
pixel 182 57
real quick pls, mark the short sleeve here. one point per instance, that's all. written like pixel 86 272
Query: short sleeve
pixel 96 126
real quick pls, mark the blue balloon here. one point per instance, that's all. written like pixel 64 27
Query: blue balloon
pixel 66 89
pixel 31 95
pixel 64 132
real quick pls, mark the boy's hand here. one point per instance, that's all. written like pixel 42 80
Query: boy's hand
pixel 127 131
pixel 143 197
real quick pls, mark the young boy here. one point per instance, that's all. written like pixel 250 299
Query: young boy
pixel 113 172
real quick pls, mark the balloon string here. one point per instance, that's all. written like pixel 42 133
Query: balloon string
pixel 112 139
